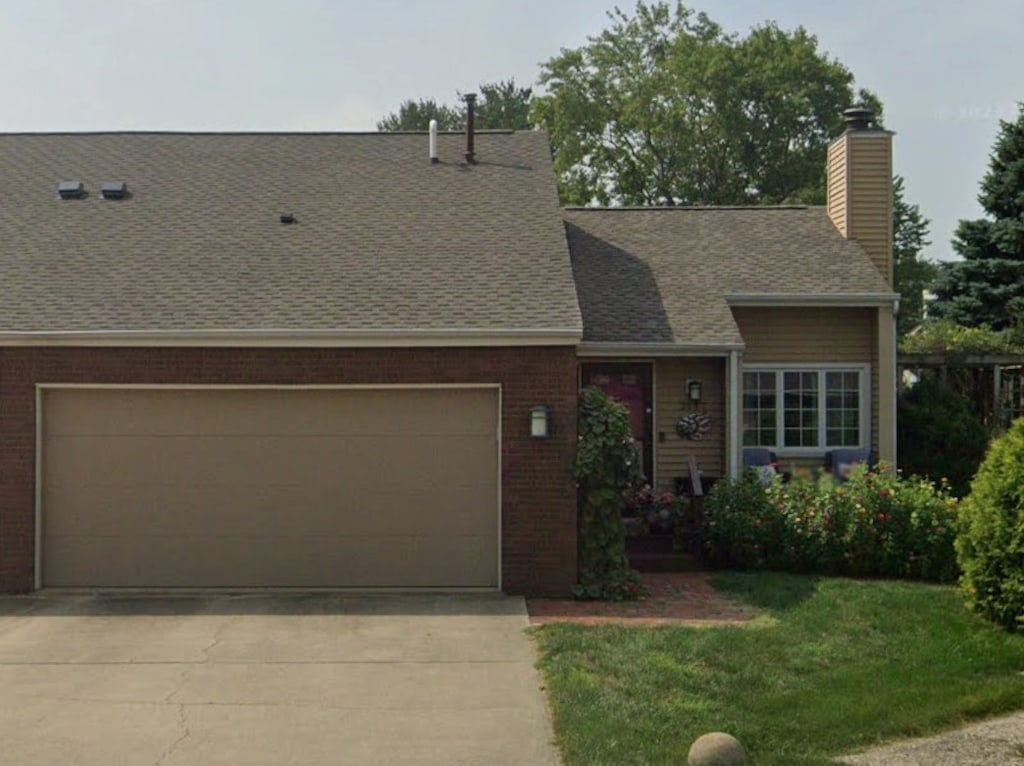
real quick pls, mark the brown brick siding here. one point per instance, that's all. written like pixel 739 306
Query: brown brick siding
pixel 538 499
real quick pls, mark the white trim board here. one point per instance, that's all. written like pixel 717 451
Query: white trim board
pixel 769 366
pixel 591 349
pixel 296 338
pixel 271 386
pixel 801 300
pixel 655 444
pixel 735 415
pixel 37 579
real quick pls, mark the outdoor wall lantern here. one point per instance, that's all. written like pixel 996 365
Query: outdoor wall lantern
pixel 540 422
pixel 694 388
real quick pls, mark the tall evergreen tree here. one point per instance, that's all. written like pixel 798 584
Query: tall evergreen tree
pixel 911 273
pixel 987 286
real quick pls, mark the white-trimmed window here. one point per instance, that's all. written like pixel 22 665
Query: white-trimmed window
pixel 806 409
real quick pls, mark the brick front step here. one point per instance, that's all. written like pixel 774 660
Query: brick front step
pixel 654 553
pixel 673 562
pixel 673 598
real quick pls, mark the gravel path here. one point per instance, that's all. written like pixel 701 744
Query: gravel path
pixel 998 742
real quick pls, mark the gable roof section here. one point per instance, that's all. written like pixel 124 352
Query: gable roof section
pixel 387 247
pixel 666 276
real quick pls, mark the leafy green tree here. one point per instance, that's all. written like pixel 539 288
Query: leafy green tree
pixel 941 336
pixel 504 106
pixel 912 274
pixel 416 115
pixel 663 107
pixel 500 105
pixel 987 286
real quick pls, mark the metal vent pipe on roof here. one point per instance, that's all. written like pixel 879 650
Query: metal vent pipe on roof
pixel 470 127
pixel 858 118
pixel 433 142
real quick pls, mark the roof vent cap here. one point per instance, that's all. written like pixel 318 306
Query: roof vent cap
pixel 433 142
pixel 858 118
pixel 71 189
pixel 288 219
pixel 114 190
pixel 470 128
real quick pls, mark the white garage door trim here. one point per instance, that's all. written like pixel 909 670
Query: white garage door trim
pixel 40 415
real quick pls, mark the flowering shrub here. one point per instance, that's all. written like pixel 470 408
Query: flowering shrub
pixel 876 525
pixel 739 528
pixel 659 512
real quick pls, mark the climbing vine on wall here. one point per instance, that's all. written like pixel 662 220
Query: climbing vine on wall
pixel 607 465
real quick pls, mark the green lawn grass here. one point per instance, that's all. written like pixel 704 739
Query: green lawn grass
pixel 833 666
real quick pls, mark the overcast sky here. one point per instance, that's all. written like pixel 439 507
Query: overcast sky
pixel 945 70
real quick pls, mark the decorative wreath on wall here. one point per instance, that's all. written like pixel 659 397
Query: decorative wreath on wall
pixel 693 426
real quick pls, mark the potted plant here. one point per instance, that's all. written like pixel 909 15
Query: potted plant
pixel 647 512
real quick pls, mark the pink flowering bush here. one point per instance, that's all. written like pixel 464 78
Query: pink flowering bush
pixel 878 524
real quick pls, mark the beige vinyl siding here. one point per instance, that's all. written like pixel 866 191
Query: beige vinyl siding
pixel 870 198
pixel 887 385
pixel 671 401
pixel 806 334
pixel 837 185
pixel 790 335
pixel 860 193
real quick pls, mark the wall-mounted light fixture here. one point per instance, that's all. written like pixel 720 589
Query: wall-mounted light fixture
pixel 540 422
pixel 694 389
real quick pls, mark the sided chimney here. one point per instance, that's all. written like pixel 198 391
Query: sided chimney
pixel 860 197
pixel 470 128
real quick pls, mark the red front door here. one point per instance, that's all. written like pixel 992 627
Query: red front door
pixel 629 384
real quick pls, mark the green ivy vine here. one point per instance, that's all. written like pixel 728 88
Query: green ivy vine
pixel 607 465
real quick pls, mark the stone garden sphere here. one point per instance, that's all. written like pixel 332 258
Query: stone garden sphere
pixel 717 749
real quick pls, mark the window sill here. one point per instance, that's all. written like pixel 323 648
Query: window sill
pixel 816 453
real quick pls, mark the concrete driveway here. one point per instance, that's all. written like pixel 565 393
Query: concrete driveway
pixel 270 679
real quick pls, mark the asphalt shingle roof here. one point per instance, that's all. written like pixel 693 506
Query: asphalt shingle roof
pixel 663 275
pixel 385 241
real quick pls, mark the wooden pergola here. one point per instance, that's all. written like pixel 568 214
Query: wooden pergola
pixel 993 382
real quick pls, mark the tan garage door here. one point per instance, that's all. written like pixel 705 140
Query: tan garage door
pixel 269 487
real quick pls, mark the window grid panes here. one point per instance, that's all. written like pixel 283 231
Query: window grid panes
pixel 842 409
pixel 759 409
pixel 802 409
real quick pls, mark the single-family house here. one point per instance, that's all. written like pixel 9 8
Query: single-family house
pixel 351 360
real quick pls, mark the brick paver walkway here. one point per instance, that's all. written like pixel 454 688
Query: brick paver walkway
pixel 675 598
